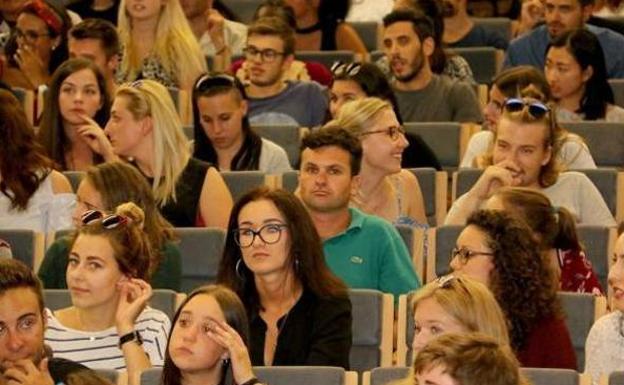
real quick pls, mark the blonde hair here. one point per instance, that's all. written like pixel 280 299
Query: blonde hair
pixel 171 149
pixel 175 45
pixel 358 115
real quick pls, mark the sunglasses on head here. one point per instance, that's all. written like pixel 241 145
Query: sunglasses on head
pixel 536 108
pixel 209 81
pixel 345 69
pixel 108 222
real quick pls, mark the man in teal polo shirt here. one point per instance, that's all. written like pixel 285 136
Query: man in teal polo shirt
pixel 364 250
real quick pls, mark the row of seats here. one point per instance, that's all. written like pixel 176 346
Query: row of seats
pixel 373 321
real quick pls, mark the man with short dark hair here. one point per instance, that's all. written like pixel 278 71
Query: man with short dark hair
pixel 268 55
pixel 96 40
pixel 363 250
pixel 24 359
pixel 423 96
pixel 562 16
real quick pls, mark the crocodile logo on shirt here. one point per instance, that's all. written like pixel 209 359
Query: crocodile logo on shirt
pixel 356 259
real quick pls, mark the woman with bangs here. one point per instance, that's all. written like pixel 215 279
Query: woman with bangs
pixel 158 44
pixel 525 153
pixel 145 129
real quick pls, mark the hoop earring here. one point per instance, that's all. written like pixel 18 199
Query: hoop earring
pixel 237 269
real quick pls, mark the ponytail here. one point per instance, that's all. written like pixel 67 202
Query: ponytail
pixel 566 238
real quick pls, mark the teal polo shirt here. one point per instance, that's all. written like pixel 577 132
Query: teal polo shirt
pixel 370 254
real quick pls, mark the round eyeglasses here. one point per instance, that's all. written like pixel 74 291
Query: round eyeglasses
pixel 270 233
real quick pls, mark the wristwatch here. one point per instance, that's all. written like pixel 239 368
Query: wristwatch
pixel 132 336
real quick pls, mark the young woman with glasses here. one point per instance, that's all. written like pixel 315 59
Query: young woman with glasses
pixel 604 349
pixel 502 253
pixel 103 188
pixel 223 135
pixel 513 83
pixel 108 325
pixel 207 342
pixel 299 312
pixel 385 189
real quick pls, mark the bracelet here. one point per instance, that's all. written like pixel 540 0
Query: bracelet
pixel 252 381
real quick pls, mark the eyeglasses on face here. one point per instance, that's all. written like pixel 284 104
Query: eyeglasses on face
pixel 108 222
pixel 270 233
pixel 267 55
pixel 345 69
pixel 464 254
pixel 29 35
pixel 537 109
pixel 393 132
pixel 207 82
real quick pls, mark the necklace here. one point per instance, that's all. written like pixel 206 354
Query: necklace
pixel 310 29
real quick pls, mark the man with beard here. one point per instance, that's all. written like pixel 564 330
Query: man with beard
pixel 461 31
pixel 423 96
pixel 23 356
pixel 268 55
pixel 562 16
pixel 365 251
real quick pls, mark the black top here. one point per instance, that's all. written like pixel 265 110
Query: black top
pixel 84 8
pixel 316 332
pixel 419 154
pixel 328 35
pixel 184 212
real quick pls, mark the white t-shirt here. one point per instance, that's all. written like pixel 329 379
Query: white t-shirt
pixel 604 349
pixel 273 158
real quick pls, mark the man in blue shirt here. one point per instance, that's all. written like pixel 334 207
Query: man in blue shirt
pixel 562 16
pixel 364 250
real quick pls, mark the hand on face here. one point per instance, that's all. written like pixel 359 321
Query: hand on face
pixel 227 337
pixel 215 23
pixel 95 137
pixel 503 174
pixel 24 372
pixel 133 296
pixel 532 12
pixel 31 64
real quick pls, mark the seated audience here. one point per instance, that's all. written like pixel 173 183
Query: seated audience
pixel 223 135
pixel 103 188
pixel 208 340
pixel 530 47
pixel 358 80
pixel 576 72
pixel 158 44
pixel 38 44
pixel 605 341
pixel 272 100
pixel 145 127
pixel 384 188
pixel 512 83
pixel 108 325
pixel 321 27
pixel 409 43
pixel 466 359
pixel 525 154
pixel 218 37
pixel 454 304
pixel 442 61
pixel 97 40
pixel 502 253
pixel 77 98
pixel 24 359
pixel 33 195
pixel 364 250
pixel 555 230
pixel 105 10
pixel 299 312
pixel 461 31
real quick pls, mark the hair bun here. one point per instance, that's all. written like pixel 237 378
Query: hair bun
pixel 132 212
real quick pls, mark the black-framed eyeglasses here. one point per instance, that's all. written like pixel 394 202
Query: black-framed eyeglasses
pixel 207 81
pixel 108 221
pixel 394 132
pixel 267 55
pixel 536 108
pixel 29 35
pixel 342 69
pixel 464 254
pixel 270 233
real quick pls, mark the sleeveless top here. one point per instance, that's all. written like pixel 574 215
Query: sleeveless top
pixel 184 211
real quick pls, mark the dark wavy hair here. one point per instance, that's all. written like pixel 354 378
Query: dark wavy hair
pixel 584 46
pixel 235 316
pixel 51 133
pixel 23 163
pixel 521 280
pixel 306 259
pixel 248 156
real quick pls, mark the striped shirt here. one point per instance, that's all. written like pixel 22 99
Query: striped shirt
pixel 99 350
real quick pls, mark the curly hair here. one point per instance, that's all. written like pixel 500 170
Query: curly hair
pixel 521 280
